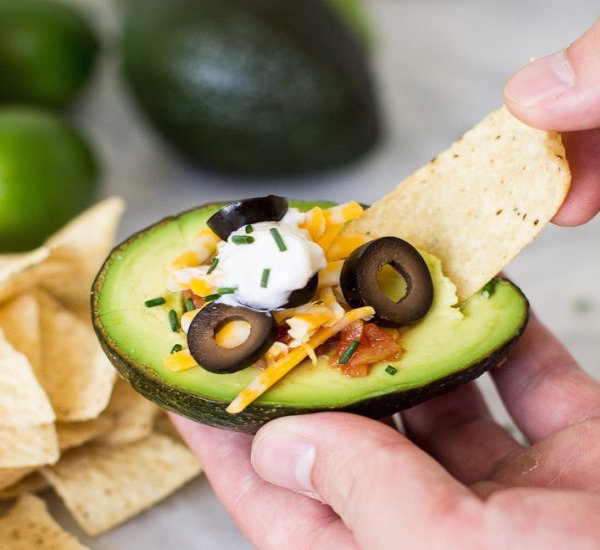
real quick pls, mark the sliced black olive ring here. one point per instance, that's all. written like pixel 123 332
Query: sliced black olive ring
pixel 303 295
pixel 361 288
pixel 218 359
pixel 258 209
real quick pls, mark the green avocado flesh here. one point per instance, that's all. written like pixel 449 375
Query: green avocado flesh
pixel 451 345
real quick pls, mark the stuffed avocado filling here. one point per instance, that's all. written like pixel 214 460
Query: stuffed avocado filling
pixel 267 286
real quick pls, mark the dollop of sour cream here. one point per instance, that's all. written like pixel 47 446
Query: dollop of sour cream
pixel 262 274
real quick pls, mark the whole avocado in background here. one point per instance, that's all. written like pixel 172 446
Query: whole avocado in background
pixel 47 52
pixel 253 87
pixel 353 13
pixel 47 176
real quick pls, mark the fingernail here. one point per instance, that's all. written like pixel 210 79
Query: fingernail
pixel 284 459
pixel 541 80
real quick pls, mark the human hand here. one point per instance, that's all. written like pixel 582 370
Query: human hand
pixel 458 479
pixel 562 92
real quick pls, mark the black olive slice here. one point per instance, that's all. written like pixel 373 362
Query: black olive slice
pixel 303 295
pixel 214 358
pixel 258 209
pixel 360 287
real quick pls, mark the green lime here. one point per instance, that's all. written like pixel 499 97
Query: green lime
pixel 47 50
pixel 47 175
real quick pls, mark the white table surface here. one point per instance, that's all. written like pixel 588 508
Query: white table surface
pixel 441 65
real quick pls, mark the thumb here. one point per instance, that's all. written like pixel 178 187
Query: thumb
pixel 374 478
pixel 560 91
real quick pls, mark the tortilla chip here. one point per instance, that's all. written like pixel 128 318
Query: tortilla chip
pixel 77 376
pixel 31 446
pixel 28 525
pixel 20 321
pixel 478 204
pixel 74 434
pixel 22 399
pixel 10 476
pixel 103 485
pixel 133 415
pixel 17 271
pixel 77 252
pixel 34 482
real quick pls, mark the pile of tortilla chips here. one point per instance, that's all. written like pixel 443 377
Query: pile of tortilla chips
pixel 65 419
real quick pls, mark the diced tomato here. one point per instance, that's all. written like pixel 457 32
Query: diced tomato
pixel 283 335
pixel 375 345
pixel 198 301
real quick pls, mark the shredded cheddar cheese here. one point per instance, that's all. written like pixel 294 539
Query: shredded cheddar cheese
pixel 331 234
pixel 342 213
pixel 186 259
pixel 344 245
pixel 279 369
pixel 315 223
pixel 330 276
pixel 180 361
pixel 276 351
pixel 200 287
pixel 187 318
pixel 233 334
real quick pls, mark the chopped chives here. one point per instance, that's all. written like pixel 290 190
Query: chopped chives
pixel 189 304
pixel 176 348
pixel 173 320
pixel 348 353
pixel 211 297
pixel 249 229
pixel 226 290
pixel 277 238
pixel 391 370
pixel 213 265
pixel 242 239
pixel 488 290
pixel 155 302
pixel 264 281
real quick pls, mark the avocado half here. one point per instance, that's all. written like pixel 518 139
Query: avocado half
pixel 450 346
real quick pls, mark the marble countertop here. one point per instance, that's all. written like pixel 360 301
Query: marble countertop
pixel 440 66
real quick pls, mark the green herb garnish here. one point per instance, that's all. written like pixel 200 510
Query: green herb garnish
pixel 488 290
pixel 242 239
pixel 173 320
pixel 176 348
pixel 249 229
pixel 213 265
pixel 391 370
pixel 211 297
pixel 348 353
pixel 226 290
pixel 277 238
pixel 264 281
pixel 189 304
pixel 155 302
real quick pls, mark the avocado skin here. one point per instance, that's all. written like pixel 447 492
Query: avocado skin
pixel 213 413
pixel 252 87
pixel 250 420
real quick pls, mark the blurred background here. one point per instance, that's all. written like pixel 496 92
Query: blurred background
pixel 174 103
